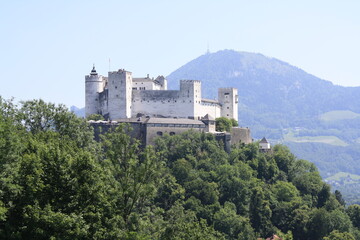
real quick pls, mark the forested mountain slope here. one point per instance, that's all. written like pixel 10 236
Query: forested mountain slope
pixel 285 104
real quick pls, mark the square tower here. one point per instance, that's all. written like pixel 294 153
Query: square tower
pixel 228 98
pixel 120 93
pixel 190 94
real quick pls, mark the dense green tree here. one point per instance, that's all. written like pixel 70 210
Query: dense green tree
pixel 322 223
pixel 183 224
pixel 227 221
pixel 223 124
pixel 336 235
pixel 56 182
pixel 95 117
pixel 340 198
pixel 260 212
pixel 354 213
pixel 133 173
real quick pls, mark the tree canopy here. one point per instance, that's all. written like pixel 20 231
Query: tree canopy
pixel 57 182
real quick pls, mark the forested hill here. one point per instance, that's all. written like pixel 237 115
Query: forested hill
pixel 272 93
pixel 58 183
pixel 318 120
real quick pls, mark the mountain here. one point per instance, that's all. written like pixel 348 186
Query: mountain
pixel 80 112
pixel 267 85
pixel 285 104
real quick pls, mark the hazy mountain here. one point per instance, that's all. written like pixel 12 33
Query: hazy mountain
pixel 285 104
pixel 267 86
pixel 80 112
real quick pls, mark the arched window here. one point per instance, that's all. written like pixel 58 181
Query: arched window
pixel 172 133
pixel 159 133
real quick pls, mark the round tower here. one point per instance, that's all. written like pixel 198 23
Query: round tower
pixel 93 85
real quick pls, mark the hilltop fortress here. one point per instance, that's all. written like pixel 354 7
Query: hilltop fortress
pixel 153 110
pixel 121 96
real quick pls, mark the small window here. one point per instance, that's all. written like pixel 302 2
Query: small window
pixel 115 87
pixel 172 133
pixel 226 93
pixel 227 114
pixel 159 133
pixel 227 107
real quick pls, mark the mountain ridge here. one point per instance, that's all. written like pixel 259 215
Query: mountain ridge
pixel 266 84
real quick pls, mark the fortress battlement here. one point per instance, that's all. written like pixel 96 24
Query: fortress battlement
pixel 120 96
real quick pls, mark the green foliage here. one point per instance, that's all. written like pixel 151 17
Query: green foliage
pixel 354 213
pixel 58 183
pixel 95 117
pixel 335 235
pixel 223 124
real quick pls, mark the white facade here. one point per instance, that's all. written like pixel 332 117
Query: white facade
pixel 121 96
pixel 264 144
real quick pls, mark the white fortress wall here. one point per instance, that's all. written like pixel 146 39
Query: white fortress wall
pixel 144 84
pixel 210 107
pixel 167 103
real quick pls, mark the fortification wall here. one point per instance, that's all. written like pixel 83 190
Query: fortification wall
pixel 166 103
pixel 153 132
pixel 212 109
pixel 145 85
pixel 240 135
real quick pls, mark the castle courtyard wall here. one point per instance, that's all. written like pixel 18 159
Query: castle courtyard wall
pixel 166 103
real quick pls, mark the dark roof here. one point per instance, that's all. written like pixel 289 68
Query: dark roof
pixel 208 117
pixel 209 101
pixel 174 121
pixel 93 71
pixel 263 140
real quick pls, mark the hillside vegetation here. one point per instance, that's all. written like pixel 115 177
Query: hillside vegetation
pixel 58 183
pixel 319 121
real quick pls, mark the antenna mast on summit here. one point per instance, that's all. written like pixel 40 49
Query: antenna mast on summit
pixel 208 49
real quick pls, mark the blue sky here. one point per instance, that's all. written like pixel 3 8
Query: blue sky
pixel 46 47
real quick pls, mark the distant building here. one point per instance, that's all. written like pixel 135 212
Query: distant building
pixel 264 145
pixel 151 110
pixel 120 96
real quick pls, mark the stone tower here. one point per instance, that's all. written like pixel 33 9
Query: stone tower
pixel 120 93
pixel 228 98
pixel 93 85
pixel 190 94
